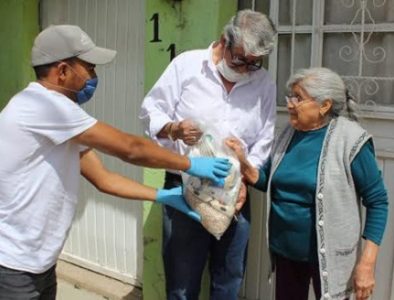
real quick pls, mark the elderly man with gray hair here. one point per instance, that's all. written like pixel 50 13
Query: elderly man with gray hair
pixel 224 86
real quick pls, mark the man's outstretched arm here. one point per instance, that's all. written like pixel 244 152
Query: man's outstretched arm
pixel 143 152
pixel 117 185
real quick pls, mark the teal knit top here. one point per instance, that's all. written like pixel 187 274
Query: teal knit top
pixel 292 217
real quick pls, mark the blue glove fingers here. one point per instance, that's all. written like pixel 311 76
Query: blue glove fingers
pixel 165 196
pixel 218 182
pixel 224 168
pixel 183 207
pixel 174 198
pixel 177 191
pixel 220 173
pixel 195 216
pixel 222 164
pixel 208 167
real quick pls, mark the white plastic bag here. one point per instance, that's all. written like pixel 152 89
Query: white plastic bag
pixel 216 205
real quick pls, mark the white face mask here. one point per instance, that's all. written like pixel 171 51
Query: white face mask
pixel 229 74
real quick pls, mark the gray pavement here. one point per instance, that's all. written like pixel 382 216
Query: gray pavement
pixel 67 291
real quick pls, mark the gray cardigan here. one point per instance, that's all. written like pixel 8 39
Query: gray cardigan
pixel 338 211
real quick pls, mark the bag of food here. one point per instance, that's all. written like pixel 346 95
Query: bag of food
pixel 216 205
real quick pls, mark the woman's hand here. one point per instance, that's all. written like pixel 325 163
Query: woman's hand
pixel 364 280
pixel 250 173
pixel 364 273
pixel 237 147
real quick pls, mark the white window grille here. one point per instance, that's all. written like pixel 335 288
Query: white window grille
pixel 353 37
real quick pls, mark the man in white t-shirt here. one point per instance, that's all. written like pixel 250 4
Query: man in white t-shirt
pixel 46 142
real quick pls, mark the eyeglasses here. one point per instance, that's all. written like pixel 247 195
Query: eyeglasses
pixel 293 99
pixel 238 61
pixel 296 99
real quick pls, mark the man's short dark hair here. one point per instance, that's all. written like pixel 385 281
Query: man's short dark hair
pixel 43 70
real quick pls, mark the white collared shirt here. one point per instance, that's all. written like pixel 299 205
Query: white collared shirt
pixel 191 88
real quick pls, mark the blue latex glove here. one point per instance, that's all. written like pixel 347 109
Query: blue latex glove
pixel 214 169
pixel 174 198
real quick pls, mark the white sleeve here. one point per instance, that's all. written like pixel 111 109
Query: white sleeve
pixel 260 150
pixel 159 105
pixel 56 118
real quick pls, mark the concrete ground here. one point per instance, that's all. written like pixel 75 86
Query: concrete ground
pixel 67 291
pixel 77 283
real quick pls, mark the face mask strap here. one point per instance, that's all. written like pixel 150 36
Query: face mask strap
pixel 62 87
pixel 75 72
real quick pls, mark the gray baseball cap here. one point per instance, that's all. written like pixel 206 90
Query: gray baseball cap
pixel 58 42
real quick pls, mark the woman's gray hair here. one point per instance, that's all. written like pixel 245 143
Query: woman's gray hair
pixel 322 84
pixel 252 30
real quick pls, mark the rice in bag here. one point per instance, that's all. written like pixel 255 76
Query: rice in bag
pixel 216 205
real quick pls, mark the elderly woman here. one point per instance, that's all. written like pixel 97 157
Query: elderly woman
pixel 319 169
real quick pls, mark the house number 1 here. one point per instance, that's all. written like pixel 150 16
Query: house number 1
pixel 156 38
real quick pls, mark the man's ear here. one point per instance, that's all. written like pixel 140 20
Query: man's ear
pixel 62 71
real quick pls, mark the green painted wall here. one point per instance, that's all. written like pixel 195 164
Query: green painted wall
pixel 189 24
pixel 18 27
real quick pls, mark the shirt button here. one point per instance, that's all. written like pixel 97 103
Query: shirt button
pixel 322 250
pixel 326 296
pixel 324 273
pixel 320 196
pixel 321 223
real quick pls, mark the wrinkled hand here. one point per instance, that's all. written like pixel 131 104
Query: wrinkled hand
pixel 174 198
pixel 364 280
pixel 187 131
pixel 236 145
pixel 212 168
pixel 241 197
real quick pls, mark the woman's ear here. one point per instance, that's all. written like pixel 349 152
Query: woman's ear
pixel 222 41
pixel 325 107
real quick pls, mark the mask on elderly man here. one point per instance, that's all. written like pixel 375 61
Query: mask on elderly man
pixel 230 74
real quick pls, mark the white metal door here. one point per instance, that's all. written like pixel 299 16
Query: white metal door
pixel 107 232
